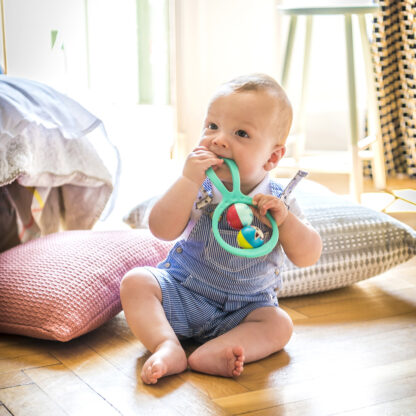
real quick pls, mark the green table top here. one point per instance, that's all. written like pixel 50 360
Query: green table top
pixel 328 10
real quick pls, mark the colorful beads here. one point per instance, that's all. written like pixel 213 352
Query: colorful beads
pixel 239 215
pixel 250 237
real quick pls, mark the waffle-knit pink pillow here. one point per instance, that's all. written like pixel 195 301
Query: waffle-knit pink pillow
pixel 63 285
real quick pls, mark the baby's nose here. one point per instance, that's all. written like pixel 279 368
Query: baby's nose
pixel 220 141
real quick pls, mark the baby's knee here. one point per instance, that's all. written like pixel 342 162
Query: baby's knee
pixel 280 329
pixel 285 327
pixel 136 281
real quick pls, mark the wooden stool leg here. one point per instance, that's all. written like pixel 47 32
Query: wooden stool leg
pixel 356 178
pixel 378 168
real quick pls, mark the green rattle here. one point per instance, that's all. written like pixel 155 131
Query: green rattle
pixel 232 197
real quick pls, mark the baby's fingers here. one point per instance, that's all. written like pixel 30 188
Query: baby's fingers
pixel 264 203
pixel 266 206
pixel 257 199
pixel 261 217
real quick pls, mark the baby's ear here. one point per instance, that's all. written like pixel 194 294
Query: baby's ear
pixel 278 152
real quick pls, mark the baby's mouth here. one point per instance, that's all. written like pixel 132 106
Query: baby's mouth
pixel 224 175
pixel 219 155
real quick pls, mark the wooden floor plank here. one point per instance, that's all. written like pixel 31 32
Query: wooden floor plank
pixel 184 398
pixel 119 390
pixel 400 407
pixel 365 308
pixel 4 411
pixel 128 355
pixel 129 395
pixel 321 390
pixel 212 386
pixel 61 385
pixel 293 313
pixel 304 359
pixel 20 350
pixel 27 361
pixel 342 336
pixel 351 398
pixel 13 378
pixel 344 329
pixel 29 400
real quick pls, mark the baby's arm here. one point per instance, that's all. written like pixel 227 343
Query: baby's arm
pixel 169 216
pixel 301 243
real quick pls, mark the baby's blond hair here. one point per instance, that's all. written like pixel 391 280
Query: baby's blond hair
pixel 263 82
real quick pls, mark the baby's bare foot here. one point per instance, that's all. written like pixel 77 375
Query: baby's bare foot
pixel 235 360
pixel 169 358
pixel 226 361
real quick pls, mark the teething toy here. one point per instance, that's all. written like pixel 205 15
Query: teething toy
pixel 232 197
pixel 239 215
pixel 236 197
pixel 250 237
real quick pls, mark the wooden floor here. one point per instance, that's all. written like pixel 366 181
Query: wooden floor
pixel 353 353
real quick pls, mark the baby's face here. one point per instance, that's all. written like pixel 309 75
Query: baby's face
pixel 242 126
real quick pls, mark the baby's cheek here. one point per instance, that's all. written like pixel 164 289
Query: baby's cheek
pixel 203 141
pixel 206 135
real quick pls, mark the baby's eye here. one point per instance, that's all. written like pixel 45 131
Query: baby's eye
pixel 242 133
pixel 212 126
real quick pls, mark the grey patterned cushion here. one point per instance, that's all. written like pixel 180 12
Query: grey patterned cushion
pixel 358 242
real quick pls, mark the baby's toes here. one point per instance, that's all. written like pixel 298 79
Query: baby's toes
pixel 238 370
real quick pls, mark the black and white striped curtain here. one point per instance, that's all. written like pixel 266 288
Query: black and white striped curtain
pixel 394 54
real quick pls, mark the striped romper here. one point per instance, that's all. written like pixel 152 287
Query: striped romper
pixel 207 291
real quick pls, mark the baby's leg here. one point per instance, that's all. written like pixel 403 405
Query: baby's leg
pixel 263 332
pixel 141 298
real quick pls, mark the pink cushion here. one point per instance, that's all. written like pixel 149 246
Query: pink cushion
pixel 63 285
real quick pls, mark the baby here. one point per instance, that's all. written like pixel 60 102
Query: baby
pixel 226 302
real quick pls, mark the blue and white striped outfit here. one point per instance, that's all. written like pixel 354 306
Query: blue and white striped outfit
pixel 207 291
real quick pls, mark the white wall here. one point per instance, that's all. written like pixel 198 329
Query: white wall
pixel 217 40
pixel 28 26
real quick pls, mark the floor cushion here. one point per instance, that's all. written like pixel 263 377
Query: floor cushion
pixel 358 242
pixel 63 285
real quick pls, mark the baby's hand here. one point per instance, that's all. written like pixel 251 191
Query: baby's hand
pixel 274 205
pixel 197 162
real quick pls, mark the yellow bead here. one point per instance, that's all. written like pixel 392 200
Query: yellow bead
pixel 242 242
